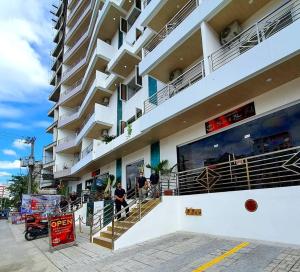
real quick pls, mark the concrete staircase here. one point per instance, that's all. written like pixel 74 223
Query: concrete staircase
pixel 124 224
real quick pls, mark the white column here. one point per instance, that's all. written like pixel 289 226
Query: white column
pixel 210 43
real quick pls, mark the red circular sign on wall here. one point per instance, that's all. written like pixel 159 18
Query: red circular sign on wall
pixel 251 205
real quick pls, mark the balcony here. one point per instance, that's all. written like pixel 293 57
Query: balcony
pixel 74 11
pixel 48 162
pixel 157 13
pixel 80 22
pixel 67 145
pixel 188 78
pixel 265 28
pixel 77 45
pixel 51 111
pixel 68 118
pixel 70 92
pixel 100 118
pixel 86 151
pixel 171 25
pixel 74 67
pixel 51 127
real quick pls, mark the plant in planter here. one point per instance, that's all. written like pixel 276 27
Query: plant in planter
pixel 108 138
pixel 162 168
pixel 129 130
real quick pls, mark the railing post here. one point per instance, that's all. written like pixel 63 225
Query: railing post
pixel 177 184
pixel 112 231
pixel 248 174
pixel 257 32
pixel 140 216
pixel 80 227
pixel 207 179
pixel 91 221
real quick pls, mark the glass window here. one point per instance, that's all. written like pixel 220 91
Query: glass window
pixel 132 172
pixel 272 132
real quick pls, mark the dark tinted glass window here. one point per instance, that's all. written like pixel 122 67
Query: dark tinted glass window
pixel 269 133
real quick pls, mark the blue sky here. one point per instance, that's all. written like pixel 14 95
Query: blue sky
pixel 26 40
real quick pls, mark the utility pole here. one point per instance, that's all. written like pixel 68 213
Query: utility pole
pixel 31 161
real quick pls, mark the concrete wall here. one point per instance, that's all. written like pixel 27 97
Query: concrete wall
pixel 277 219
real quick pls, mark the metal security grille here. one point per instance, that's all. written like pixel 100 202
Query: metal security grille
pixel 274 169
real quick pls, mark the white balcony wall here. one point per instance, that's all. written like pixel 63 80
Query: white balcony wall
pixel 261 57
pixel 180 34
pixel 150 11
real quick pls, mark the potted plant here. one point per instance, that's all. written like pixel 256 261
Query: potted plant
pixel 108 138
pixel 162 169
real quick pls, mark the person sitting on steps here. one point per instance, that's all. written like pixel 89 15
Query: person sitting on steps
pixel 120 200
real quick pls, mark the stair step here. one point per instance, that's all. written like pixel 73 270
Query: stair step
pixel 119 229
pixel 108 234
pixel 103 241
pixel 125 223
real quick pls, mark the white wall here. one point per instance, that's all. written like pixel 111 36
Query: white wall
pixel 277 219
pixel 160 221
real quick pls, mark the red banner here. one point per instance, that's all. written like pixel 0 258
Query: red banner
pixel 62 230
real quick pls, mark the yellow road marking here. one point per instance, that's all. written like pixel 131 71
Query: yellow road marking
pixel 220 258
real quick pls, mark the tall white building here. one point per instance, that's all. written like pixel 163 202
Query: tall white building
pixel 212 86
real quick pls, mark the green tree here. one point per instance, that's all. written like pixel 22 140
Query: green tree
pixel 18 186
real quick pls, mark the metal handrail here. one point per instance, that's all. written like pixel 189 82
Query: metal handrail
pixel 86 151
pixel 78 22
pixel 178 18
pixel 146 3
pixel 83 36
pixel 71 88
pixel 74 9
pixel 73 65
pixel 189 77
pixel 272 169
pixel 267 26
pixel 65 140
pixel 85 122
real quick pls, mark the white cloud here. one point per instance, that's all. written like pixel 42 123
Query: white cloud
pixel 25 31
pixel 10 164
pixel 20 144
pixel 10 112
pixel 42 124
pixel 5 174
pixel 9 152
pixel 13 125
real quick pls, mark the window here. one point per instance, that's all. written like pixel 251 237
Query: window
pixel 132 172
pixel 275 131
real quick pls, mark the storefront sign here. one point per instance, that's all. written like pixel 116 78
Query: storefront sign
pixel 193 212
pixel 230 118
pixel 62 231
pixel 95 173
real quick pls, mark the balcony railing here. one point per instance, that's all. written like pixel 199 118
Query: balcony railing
pixel 257 33
pixel 84 122
pixel 71 88
pixel 83 36
pixel 73 67
pixel 146 3
pixel 74 9
pixel 192 75
pixel 78 22
pixel 171 25
pixel 86 151
pixel 273 169
pixel 65 140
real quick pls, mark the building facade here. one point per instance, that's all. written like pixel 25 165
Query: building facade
pixel 204 84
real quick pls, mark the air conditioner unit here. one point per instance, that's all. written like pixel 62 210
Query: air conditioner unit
pixel 230 32
pixel 104 132
pixel 174 74
pixel 105 101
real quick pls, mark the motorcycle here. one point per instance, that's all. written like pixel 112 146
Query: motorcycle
pixel 36 228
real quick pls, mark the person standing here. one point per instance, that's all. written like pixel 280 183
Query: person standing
pixel 154 179
pixel 120 199
pixel 142 183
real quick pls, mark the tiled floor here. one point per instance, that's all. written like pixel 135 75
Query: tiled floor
pixel 180 252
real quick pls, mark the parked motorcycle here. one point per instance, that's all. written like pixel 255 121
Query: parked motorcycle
pixel 38 230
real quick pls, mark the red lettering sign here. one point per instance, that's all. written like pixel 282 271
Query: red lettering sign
pixel 62 230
